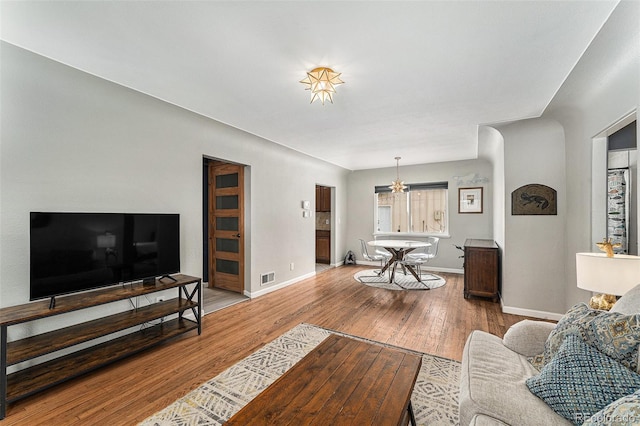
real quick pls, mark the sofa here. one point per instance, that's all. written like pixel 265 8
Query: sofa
pixel 582 370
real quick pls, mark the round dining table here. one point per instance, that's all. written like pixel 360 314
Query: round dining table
pixel 398 249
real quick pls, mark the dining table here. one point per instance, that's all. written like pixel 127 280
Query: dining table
pixel 398 249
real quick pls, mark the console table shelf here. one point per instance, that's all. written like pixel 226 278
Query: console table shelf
pixel 30 380
pixel 41 344
pixel 37 310
pixel 42 376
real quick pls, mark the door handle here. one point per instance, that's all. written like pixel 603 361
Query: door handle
pixel 237 235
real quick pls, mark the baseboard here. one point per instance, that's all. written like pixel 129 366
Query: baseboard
pixel 447 270
pixel 530 312
pixel 427 267
pixel 266 290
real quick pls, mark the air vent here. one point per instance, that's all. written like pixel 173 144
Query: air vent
pixel 267 278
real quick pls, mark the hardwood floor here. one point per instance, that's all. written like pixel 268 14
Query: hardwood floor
pixel 436 321
pixel 214 299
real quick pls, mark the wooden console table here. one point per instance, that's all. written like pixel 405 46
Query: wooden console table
pixel 341 381
pixel 30 380
pixel 481 269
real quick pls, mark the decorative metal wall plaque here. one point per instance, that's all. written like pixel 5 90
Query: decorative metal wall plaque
pixel 534 199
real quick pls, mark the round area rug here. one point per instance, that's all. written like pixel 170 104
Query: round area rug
pixel 402 282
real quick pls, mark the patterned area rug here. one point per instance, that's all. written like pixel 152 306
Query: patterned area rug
pixel 401 281
pixel 434 399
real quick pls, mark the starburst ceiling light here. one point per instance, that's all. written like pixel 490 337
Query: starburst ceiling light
pixel 322 82
pixel 397 185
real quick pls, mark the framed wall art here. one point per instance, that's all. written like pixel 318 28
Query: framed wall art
pixel 534 199
pixel 470 200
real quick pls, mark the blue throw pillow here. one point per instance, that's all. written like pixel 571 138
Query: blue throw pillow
pixel 624 411
pixel 580 381
pixel 573 322
pixel 615 335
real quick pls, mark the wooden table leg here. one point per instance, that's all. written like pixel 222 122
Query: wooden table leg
pixel 409 267
pixel 388 265
pixel 395 256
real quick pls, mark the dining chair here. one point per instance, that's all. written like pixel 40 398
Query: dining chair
pixel 377 257
pixel 422 256
pixel 381 252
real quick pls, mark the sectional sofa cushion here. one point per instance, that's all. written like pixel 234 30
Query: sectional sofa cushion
pixel 528 337
pixel 492 384
pixel 628 304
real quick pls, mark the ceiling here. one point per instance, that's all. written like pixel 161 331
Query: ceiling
pixel 420 76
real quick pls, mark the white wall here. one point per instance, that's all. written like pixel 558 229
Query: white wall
pixel 491 148
pixel 461 226
pixel 555 150
pixel 533 268
pixel 74 142
pixel 603 88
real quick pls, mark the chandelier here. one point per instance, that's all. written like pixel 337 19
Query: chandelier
pixel 322 82
pixel 397 185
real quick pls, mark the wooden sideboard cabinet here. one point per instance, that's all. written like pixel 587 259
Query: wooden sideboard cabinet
pixel 481 269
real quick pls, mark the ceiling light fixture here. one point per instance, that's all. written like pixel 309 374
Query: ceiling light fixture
pixel 397 185
pixel 322 82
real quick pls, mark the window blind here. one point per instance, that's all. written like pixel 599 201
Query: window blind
pixel 415 187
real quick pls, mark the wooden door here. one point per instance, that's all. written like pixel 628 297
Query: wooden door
pixel 226 226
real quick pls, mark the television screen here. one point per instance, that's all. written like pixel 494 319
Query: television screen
pixel 72 252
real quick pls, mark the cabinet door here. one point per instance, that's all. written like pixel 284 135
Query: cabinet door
pixel 323 248
pixel 323 199
pixel 481 268
pixel 326 199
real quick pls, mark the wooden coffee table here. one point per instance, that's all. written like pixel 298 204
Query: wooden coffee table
pixel 341 381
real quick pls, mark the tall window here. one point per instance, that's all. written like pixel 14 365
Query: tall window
pixel 422 208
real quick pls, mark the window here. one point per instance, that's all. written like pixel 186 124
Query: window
pixel 422 208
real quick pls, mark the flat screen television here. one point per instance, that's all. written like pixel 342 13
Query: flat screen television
pixel 73 252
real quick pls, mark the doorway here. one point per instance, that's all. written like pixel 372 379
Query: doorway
pixel 323 227
pixel 224 225
pixel 614 160
pixel 384 219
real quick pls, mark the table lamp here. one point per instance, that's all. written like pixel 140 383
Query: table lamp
pixel 610 275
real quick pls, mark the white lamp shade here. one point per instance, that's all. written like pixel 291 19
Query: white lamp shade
pixel 609 275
